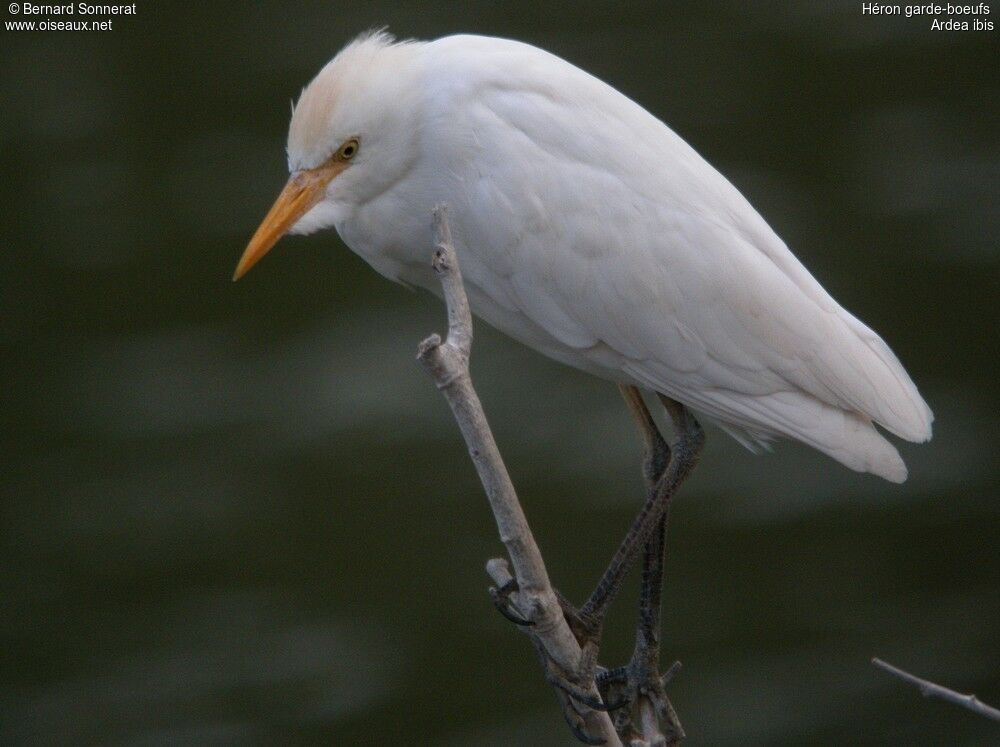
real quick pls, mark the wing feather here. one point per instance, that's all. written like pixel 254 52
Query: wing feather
pixel 609 232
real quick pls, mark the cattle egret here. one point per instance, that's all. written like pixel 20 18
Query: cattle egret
pixel 590 231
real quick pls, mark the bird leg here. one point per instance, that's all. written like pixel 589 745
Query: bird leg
pixel 637 686
pixel 679 459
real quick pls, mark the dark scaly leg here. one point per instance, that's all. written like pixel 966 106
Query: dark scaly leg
pixel 680 459
pixel 639 685
pixel 665 467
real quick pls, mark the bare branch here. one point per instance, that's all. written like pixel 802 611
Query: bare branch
pixel 930 690
pixel 534 598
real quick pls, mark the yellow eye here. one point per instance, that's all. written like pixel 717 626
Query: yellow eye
pixel 348 150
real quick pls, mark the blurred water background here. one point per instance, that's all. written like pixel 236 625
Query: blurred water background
pixel 242 514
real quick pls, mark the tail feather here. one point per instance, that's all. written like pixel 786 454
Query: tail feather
pixel 891 398
pixel 848 437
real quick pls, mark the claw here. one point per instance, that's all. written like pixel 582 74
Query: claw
pixel 633 684
pixel 577 693
pixel 501 600
pixel 582 696
pixel 576 725
pixel 611 676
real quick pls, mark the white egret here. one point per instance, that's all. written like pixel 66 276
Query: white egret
pixel 588 230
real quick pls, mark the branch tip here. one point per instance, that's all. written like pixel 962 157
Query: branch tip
pixel 932 690
pixel 499 570
pixel 428 346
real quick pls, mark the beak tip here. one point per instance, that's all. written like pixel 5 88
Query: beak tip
pixel 243 267
pixel 303 190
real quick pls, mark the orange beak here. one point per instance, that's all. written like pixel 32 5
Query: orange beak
pixel 303 190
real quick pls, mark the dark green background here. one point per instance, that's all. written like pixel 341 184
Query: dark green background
pixel 242 514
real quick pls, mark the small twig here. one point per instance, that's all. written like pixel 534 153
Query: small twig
pixel 535 600
pixel 930 690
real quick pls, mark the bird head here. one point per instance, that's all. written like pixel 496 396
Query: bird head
pixel 352 135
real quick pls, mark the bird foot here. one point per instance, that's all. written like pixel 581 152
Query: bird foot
pixel 644 716
pixel 575 689
pixel 584 627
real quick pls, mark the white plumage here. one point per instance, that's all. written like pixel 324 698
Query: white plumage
pixel 589 230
